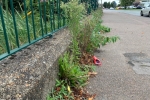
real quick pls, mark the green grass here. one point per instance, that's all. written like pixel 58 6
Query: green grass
pixel 22 28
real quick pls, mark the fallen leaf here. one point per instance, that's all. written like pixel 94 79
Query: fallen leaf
pixel 92 97
pixel 27 85
pixel 69 89
pixel 92 73
pixel 58 89
pixel 81 92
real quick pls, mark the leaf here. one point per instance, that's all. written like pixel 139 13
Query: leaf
pixel 92 73
pixel 92 97
pixel 68 89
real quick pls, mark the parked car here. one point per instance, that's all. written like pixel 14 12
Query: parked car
pixel 111 8
pixel 138 7
pixel 134 7
pixel 122 7
pixel 130 7
pixel 145 11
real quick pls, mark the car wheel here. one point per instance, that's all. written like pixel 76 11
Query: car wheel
pixel 149 14
pixel 141 13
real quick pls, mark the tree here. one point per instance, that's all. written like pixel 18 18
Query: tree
pixel 136 3
pixel 105 4
pixel 108 5
pixel 113 4
pixel 126 3
pixel 118 5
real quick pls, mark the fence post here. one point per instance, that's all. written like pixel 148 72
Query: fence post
pixel 14 21
pixel 27 22
pixel 4 29
pixel 41 24
pixel 53 15
pixel 31 6
pixel 50 12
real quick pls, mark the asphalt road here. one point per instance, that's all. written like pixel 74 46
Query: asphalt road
pixel 120 76
pixel 131 12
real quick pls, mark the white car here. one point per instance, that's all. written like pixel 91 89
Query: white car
pixel 130 7
pixel 145 11
pixel 111 8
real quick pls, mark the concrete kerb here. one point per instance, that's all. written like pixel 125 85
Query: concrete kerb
pixel 31 73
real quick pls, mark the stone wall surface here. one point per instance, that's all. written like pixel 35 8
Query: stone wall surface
pixel 31 73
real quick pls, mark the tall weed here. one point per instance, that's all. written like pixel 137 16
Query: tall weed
pixel 71 72
pixel 9 25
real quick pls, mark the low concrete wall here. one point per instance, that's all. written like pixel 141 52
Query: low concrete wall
pixel 31 73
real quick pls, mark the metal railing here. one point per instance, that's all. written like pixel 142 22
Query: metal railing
pixel 24 25
pixel 28 21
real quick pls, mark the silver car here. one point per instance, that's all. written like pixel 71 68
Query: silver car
pixel 145 11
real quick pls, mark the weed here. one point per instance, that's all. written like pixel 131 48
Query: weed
pixel 87 36
pixel 71 72
pixel 61 92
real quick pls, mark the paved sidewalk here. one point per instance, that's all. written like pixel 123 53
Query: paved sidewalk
pixel 117 78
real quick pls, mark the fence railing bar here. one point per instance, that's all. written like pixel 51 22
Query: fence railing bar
pixel 58 19
pixel 47 10
pixel 28 44
pixel 41 24
pixel 63 14
pixel 31 7
pixel 53 15
pixel 64 22
pixel 95 5
pixel 14 21
pixel 4 29
pixel 50 12
pixel 45 17
pixel 26 17
pixel 60 14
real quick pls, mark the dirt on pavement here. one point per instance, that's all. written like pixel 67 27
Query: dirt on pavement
pixel 116 78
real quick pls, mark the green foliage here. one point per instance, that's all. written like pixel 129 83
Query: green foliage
pixel 105 4
pixel 74 12
pixel 87 35
pixel 106 40
pixel 98 38
pixel 21 25
pixel 61 92
pixel 91 37
pixel 108 5
pixel 126 3
pixel 103 28
pixel 71 72
pixel 113 4
pixel 21 29
pixel 85 31
pixel 75 51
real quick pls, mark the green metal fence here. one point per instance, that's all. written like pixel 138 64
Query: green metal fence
pixel 24 22
pixel 24 25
